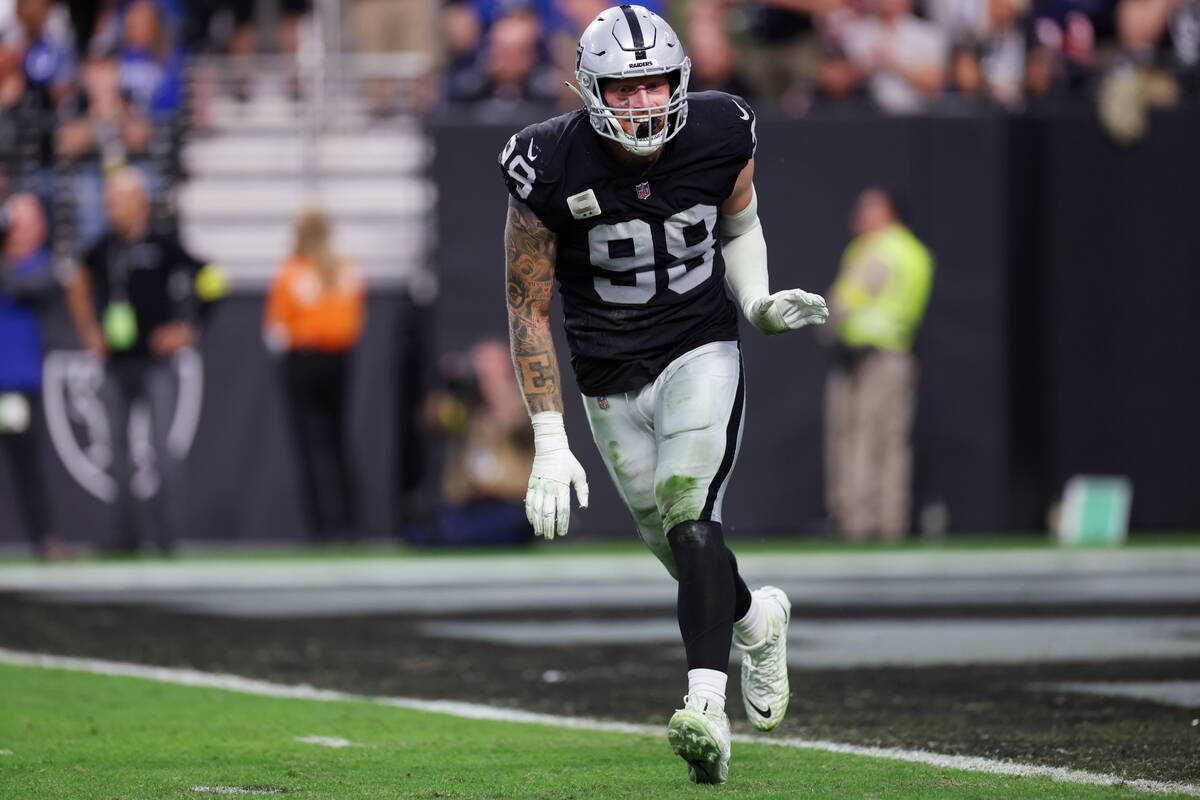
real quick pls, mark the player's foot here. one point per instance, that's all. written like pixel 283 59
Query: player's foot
pixel 765 688
pixel 699 734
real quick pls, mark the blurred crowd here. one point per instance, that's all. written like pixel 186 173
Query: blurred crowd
pixel 99 83
pixel 87 88
pixel 890 56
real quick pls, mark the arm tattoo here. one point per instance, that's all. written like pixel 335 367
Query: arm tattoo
pixel 529 249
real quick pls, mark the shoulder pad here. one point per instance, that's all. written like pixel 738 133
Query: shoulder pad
pixel 732 116
pixel 532 157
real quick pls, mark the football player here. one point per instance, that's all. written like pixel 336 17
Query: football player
pixel 641 205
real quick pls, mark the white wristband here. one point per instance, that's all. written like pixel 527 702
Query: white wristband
pixel 549 433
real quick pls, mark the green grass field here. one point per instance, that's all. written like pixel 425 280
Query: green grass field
pixel 77 735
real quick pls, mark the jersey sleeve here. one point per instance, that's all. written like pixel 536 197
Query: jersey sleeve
pixel 743 137
pixel 178 258
pixel 724 137
pixel 527 164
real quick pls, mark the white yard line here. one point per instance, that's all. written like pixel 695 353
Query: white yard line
pixel 188 677
pixel 234 790
pixel 336 742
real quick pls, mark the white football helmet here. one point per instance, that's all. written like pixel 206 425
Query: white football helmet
pixel 624 42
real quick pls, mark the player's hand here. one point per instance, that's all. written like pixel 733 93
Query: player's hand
pixel 787 310
pixel 169 338
pixel 555 470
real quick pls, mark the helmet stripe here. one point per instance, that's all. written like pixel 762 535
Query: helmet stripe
pixel 635 27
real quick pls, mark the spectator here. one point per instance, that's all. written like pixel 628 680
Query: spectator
pixel 42 40
pixel 1003 52
pixel 386 27
pixel 314 316
pixel 243 41
pixel 838 86
pixel 1163 32
pixel 149 63
pixel 489 451
pixel 966 91
pixel 102 131
pixel 1044 84
pixel 1160 40
pixel 26 280
pixel 36 70
pixel 134 303
pixel 509 76
pixel 781 49
pixel 462 38
pixel 876 305
pixel 714 59
pixel 200 36
pixel 1073 29
pixel 901 58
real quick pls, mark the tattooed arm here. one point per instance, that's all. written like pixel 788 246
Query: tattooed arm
pixel 530 251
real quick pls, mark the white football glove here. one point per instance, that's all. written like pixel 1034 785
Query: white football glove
pixel 555 469
pixel 786 311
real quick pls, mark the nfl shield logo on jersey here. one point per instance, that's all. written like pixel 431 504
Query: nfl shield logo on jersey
pixel 603 403
pixel 643 190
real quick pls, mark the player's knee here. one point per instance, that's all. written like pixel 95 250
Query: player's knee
pixel 696 538
pixel 679 499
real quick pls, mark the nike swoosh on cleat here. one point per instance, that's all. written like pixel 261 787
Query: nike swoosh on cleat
pixel 765 714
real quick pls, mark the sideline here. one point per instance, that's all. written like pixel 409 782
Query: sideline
pixel 234 683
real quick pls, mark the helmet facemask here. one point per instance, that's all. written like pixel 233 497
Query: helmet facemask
pixel 651 127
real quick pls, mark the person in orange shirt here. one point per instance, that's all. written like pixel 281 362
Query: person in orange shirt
pixel 314 317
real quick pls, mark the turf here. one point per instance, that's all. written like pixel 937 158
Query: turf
pixel 79 735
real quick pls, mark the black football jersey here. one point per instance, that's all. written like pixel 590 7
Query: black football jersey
pixel 639 259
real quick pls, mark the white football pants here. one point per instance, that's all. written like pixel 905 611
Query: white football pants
pixel 671 445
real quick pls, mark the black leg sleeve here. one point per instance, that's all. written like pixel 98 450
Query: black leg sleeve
pixel 706 593
pixel 741 592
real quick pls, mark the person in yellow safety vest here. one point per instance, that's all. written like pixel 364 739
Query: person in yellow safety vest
pixel 876 304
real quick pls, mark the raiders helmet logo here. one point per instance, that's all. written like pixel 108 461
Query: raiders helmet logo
pixel 78 425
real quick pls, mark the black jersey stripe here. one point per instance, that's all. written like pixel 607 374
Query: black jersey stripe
pixel 731 442
pixel 635 28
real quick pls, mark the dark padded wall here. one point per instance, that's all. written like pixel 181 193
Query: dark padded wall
pixel 242 468
pixel 1123 344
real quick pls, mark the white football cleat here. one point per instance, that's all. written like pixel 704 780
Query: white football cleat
pixel 765 690
pixel 699 734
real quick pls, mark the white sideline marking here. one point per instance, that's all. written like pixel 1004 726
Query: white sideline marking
pixel 5 752
pixel 328 741
pixel 233 790
pixel 190 677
